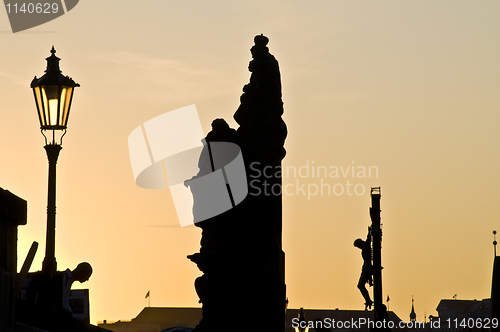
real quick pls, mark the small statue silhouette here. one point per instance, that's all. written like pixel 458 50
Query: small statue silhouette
pixel 367 270
pixel 53 291
pixel 81 273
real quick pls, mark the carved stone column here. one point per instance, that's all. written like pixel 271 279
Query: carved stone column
pixel 241 256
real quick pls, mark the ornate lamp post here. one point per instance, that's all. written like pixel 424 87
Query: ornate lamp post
pixel 53 94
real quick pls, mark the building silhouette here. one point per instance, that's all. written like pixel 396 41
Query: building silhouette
pixel 152 319
pixel 454 314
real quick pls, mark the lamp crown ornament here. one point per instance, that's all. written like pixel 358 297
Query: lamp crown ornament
pixel 53 62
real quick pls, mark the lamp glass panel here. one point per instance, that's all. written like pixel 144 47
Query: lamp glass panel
pixel 62 108
pixel 53 112
pixel 67 104
pixel 45 107
pixel 39 105
pixel 51 103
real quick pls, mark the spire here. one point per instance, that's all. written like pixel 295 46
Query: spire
pixel 413 315
pixel 495 242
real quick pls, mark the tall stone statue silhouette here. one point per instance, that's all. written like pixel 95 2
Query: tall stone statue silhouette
pixel 243 283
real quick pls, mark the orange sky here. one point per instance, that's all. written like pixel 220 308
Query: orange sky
pixel 409 87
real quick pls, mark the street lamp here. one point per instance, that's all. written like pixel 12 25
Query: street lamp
pixel 53 94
